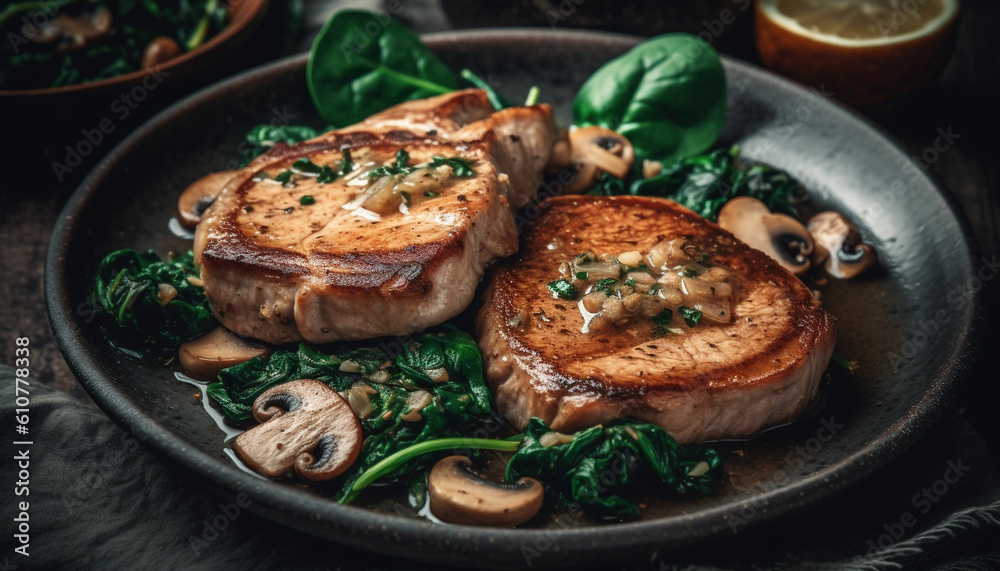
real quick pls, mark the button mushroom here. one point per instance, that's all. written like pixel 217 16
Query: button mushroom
pixel 305 425
pixel 457 495
pixel 780 236
pixel 595 150
pixel 197 197
pixel 159 50
pixel 839 245
pixel 220 348
pixel 72 32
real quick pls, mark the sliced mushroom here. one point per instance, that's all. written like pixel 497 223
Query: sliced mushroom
pixel 595 150
pixel 72 32
pixel 839 245
pixel 159 50
pixel 457 495
pixel 220 348
pixel 780 236
pixel 305 425
pixel 197 197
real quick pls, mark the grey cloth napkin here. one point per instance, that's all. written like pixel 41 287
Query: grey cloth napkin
pixel 99 500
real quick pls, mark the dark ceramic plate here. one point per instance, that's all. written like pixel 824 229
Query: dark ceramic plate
pixel 911 326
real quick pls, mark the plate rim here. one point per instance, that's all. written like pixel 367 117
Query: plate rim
pixel 366 528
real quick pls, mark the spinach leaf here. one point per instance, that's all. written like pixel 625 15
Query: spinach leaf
pixel 704 183
pixel 152 306
pixel 362 63
pixel 263 137
pixel 599 461
pixel 495 99
pixel 667 96
pixel 460 401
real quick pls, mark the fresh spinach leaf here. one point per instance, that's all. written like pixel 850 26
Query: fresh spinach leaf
pixel 667 96
pixel 599 461
pixel 354 73
pixel 152 306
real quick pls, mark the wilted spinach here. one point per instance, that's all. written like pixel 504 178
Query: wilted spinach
pixel 152 306
pixel 667 96
pixel 459 402
pixel 263 137
pixel 600 460
pixel 353 73
pixel 704 183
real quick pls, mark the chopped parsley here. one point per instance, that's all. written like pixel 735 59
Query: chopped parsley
pixel 630 283
pixel 306 200
pixel 346 163
pixel 582 275
pixel 662 320
pixel 430 194
pixel 326 174
pixel 607 285
pixel 461 167
pixel 655 289
pixel 691 316
pixel 564 289
pixel 703 260
pixel 401 166
pixel 690 273
pixel 284 177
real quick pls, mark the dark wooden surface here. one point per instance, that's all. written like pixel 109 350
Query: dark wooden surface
pixel 962 101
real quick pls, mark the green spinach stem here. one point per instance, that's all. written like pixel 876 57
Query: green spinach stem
pixel 532 98
pixel 428 85
pixel 393 461
pixel 15 9
pixel 202 30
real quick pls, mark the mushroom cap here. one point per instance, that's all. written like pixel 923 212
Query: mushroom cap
pixel 840 246
pixel 457 495
pixel 595 150
pixel 304 424
pixel 780 236
pixel 199 195
pixel 220 348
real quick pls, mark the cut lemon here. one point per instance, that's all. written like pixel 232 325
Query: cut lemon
pixel 866 52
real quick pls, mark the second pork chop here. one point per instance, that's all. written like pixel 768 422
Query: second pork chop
pixel 635 307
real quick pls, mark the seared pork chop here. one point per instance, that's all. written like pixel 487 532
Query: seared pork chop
pixel 725 376
pixel 381 228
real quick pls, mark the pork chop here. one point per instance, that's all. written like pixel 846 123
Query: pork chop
pixel 381 228
pixel 725 376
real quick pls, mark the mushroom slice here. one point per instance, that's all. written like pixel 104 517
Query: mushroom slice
pixel 305 425
pixel 778 235
pixel 220 348
pixel 457 495
pixel 839 244
pixel 72 32
pixel 595 150
pixel 197 197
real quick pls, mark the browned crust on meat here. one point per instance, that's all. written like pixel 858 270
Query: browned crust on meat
pixel 631 369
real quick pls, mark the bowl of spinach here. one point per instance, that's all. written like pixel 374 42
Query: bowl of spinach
pixel 73 46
